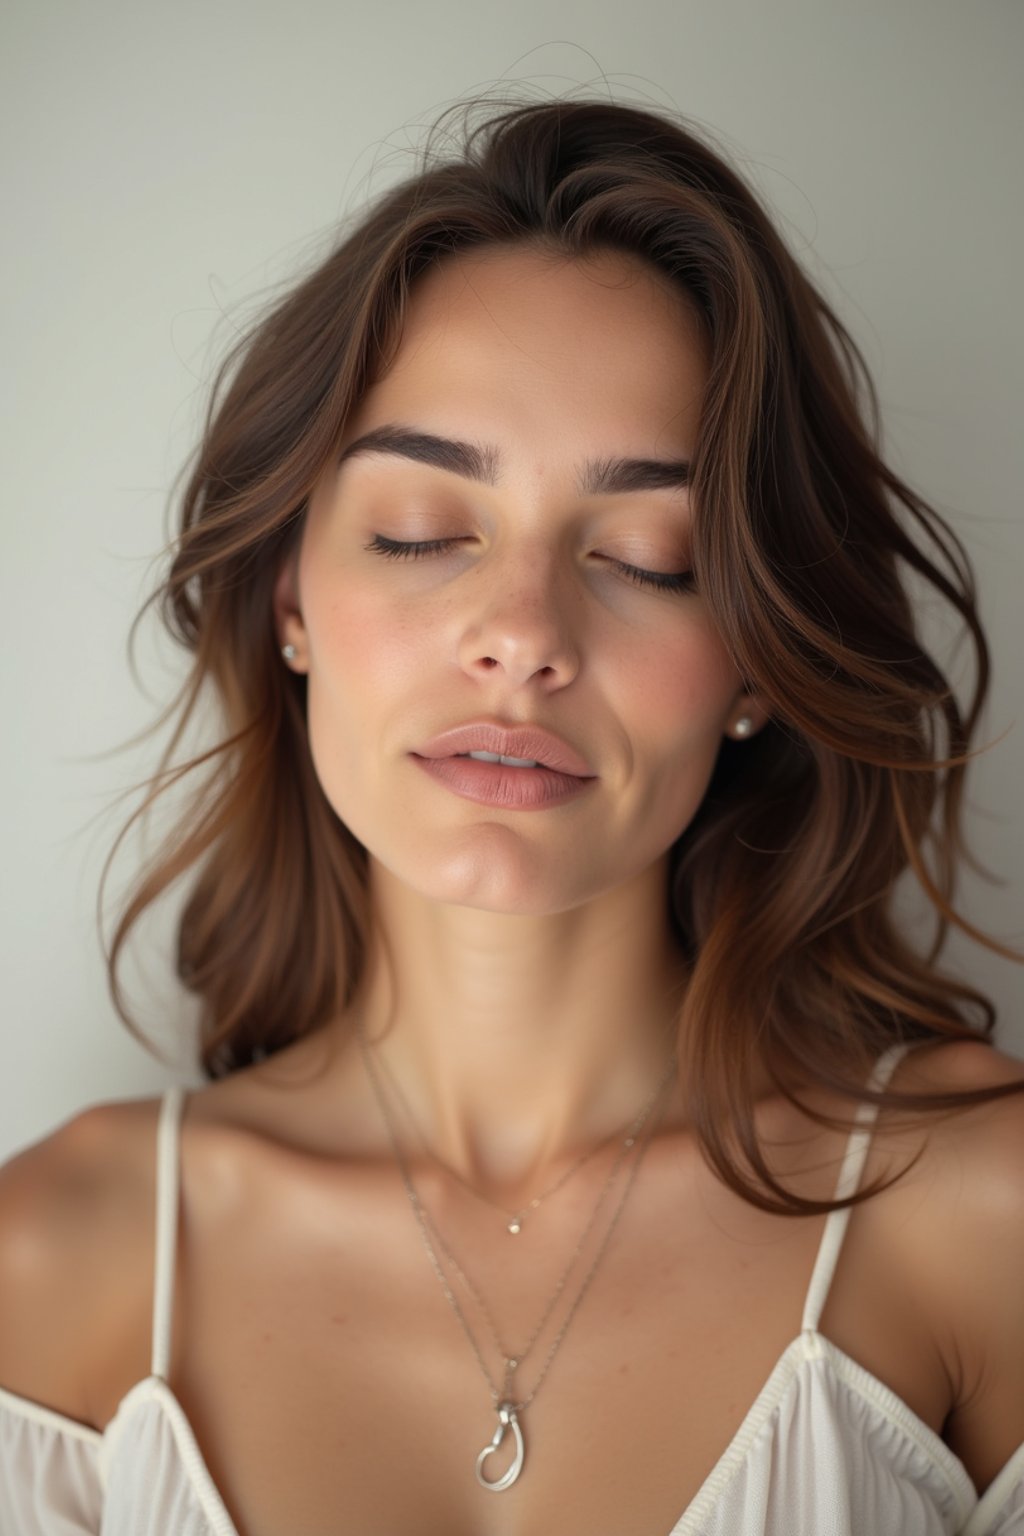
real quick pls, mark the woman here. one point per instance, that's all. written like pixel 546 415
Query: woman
pixel 555 1015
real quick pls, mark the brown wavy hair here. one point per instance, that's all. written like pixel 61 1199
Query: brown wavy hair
pixel 782 885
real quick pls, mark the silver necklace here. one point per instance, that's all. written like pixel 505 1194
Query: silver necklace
pixel 513 1358
pixel 513 1219
pixel 507 1408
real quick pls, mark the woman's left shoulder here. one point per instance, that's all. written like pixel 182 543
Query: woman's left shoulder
pixel 961 1063
pixel 969 1242
pixel 974 1154
pixel 965 1066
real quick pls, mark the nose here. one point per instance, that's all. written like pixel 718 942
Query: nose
pixel 520 625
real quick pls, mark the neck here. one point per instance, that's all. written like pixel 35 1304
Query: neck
pixel 516 1042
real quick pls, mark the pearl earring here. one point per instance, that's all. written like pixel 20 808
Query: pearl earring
pixel 744 725
pixel 288 652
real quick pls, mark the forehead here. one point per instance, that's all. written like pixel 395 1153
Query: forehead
pixel 533 282
pixel 520 344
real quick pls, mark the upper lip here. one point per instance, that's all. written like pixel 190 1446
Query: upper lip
pixel 509 740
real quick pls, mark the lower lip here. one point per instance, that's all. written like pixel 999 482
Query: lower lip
pixel 512 789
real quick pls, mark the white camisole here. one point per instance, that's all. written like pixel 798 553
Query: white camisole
pixel 826 1450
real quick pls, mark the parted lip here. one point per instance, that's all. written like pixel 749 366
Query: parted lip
pixel 531 741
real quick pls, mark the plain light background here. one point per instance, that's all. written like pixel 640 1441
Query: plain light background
pixel 167 166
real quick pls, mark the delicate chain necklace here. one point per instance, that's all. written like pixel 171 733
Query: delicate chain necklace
pixel 508 1410
pixel 514 1219
pixel 513 1358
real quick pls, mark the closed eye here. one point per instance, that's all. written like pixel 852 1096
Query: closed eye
pixel 397 549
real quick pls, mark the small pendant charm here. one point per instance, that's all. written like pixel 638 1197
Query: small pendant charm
pixel 506 1420
pixel 514 1227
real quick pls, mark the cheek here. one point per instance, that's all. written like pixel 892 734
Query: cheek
pixel 358 647
pixel 357 637
pixel 359 643
pixel 681 688
pixel 365 699
pixel 674 702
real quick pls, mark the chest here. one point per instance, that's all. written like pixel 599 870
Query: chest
pixel 331 1385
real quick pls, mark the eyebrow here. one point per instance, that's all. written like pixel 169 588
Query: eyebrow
pixel 482 462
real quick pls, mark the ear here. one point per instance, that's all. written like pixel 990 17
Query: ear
pixel 287 609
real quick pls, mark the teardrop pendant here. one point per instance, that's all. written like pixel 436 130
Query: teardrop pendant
pixel 514 1227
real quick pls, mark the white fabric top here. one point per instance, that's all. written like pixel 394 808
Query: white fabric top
pixel 826 1450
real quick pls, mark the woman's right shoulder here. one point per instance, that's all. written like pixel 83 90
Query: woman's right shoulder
pixel 75 1231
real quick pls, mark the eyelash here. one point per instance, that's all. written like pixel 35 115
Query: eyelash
pixel 397 549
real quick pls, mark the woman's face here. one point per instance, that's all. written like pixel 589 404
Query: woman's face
pixel 552 370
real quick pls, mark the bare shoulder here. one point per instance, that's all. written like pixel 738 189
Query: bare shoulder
pixel 960 1064
pixel 75 1229
pixel 972 1158
pixel 985 1141
pixel 966 1218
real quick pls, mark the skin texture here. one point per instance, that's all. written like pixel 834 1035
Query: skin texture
pixel 531 949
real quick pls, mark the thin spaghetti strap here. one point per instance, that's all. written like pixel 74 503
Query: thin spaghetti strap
pixel 849 1179
pixel 167 1180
